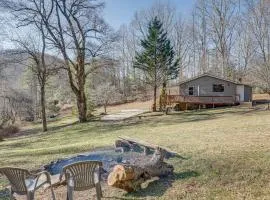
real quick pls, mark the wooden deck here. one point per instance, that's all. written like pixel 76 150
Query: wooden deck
pixel 202 100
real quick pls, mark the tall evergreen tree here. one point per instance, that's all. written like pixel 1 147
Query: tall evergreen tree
pixel 157 58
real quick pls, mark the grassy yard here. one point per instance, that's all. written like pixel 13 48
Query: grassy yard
pixel 226 151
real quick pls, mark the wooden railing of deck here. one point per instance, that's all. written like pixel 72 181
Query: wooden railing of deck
pixel 201 99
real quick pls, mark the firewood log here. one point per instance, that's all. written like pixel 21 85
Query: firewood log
pixel 131 177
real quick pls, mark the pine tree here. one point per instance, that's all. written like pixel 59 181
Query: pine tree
pixel 157 58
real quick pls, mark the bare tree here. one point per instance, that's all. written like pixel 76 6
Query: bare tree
pixel 40 65
pixel 223 18
pixel 244 49
pixel 166 13
pixel 70 25
pixel 17 104
pixel 125 51
pixel 202 31
pixel 1 70
pixel 258 21
pixel 182 44
pixel 106 94
pixel 14 102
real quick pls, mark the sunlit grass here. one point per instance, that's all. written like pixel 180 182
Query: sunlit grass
pixel 226 151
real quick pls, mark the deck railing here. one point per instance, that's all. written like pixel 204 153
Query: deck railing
pixel 201 99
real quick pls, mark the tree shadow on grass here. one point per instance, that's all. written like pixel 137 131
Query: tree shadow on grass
pixel 158 188
pixel 197 116
pixel 38 130
pixel 108 126
pixel 149 120
pixel 176 117
pixel 159 118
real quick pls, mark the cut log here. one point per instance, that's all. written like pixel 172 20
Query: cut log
pixel 131 177
pixel 127 177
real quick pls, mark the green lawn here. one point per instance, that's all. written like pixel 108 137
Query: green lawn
pixel 226 151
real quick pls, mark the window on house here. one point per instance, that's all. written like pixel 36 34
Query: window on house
pixel 218 87
pixel 191 91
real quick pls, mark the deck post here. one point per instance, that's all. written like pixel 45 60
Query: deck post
pixel 199 106
pixel 186 106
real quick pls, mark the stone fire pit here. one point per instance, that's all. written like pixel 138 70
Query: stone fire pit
pixel 126 166
pixel 109 158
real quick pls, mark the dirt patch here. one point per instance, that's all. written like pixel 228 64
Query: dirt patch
pixel 124 114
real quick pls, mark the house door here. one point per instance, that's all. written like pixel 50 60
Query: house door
pixel 240 91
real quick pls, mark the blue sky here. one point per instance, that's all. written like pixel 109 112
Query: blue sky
pixel 118 12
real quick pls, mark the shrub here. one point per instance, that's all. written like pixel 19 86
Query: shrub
pixel 74 111
pixel 90 109
pixel 8 131
pixel 54 107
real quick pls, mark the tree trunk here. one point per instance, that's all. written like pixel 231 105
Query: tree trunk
pixel 43 108
pixel 155 99
pixel 81 97
pixel 162 98
pixel 105 108
pixel 82 106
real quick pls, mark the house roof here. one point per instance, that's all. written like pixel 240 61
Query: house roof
pixel 212 76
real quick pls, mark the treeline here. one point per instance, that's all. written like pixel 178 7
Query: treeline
pixel 229 38
pixel 73 56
